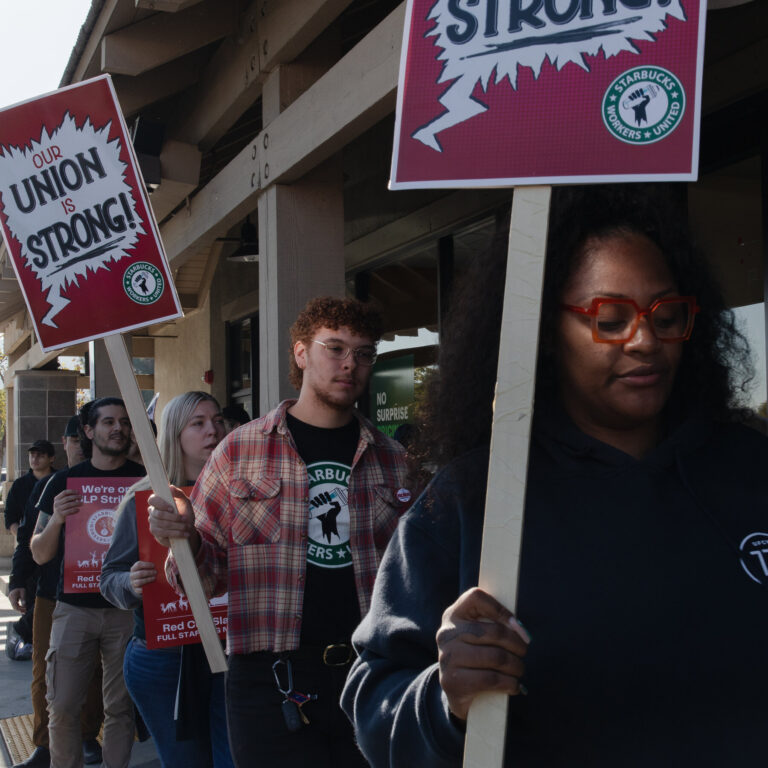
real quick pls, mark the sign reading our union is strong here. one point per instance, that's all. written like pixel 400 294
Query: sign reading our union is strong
pixel 76 219
pixel 506 92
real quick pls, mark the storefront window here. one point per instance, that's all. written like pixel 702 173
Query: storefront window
pixel 725 208
pixel 242 383
pixel 413 289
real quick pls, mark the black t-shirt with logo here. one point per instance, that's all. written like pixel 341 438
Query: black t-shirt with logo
pixel 331 611
pixel 57 484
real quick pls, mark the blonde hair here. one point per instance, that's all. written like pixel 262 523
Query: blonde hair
pixel 176 415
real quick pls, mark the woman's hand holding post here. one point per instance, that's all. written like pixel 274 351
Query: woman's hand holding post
pixel 481 647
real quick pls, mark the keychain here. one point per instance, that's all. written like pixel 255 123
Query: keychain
pixel 294 701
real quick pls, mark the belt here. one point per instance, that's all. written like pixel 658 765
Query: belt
pixel 333 655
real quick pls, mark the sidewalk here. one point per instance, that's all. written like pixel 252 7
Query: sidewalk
pixel 17 675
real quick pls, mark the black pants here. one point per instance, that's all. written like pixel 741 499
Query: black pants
pixel 258 735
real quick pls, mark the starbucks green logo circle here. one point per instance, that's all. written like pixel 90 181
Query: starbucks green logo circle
pixel 643 105
pixel 143 282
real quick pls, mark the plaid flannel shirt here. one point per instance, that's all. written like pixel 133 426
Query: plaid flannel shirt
pixel 251 507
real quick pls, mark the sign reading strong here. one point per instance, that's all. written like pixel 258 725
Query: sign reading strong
pixel 76 219
pixel 512 91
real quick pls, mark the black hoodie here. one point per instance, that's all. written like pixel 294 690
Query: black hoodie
pixel 642 584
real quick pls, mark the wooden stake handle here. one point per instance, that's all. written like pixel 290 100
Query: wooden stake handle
pixel 508 465
pixel 145 437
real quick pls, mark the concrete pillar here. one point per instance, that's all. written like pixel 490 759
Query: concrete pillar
pixel 103 382
pixel 301 255
pixel 44 401
pixel 301 236
pixel 10 433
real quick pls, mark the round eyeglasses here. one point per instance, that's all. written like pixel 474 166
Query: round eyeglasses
pixel 615 321
pixel 338 350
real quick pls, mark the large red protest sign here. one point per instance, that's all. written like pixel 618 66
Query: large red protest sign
pixel 504 92
pixel 88 533
pixel 76 219
pixel 168 619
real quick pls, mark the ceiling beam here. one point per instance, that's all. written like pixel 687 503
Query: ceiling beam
pixel 34 357
pixel 188 301
pixel 161 38
pixel 136 93
pixel 16 331
pixel 229 85
pixel 425 223
pixel 168 6
pixel 114 15
pixel 234 77
pixel 288 29
pixel 735 77
pixel 180 175
pixel 351 97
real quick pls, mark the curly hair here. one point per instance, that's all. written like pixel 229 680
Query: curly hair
pixel 329 312
pixel 715 368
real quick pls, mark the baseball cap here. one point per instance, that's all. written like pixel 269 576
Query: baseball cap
pixel 73 425
pixel 42 446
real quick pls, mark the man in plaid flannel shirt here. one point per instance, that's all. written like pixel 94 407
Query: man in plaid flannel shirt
pixel 291 516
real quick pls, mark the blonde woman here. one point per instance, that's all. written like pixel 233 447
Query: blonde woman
pixel 192 426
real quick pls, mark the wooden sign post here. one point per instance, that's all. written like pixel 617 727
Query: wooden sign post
pixel 508 464
pixel 145 437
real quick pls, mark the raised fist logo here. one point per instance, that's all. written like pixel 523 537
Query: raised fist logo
pixel 327 518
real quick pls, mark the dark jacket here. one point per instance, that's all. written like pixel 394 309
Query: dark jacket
pixel 23 565
pixel 642 584
pixel 17 498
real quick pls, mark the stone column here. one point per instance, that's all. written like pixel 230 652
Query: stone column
pixel 103 382
pixel 43 403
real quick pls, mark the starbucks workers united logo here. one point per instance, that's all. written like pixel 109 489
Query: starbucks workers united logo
pixel 328 529
pixel 143 282
pixel 643 105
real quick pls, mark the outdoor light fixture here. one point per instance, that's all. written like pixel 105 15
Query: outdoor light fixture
pixel 248 248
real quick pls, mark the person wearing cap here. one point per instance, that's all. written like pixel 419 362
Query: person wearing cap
pixel 22 591
pixel 47 577
pixel 41 455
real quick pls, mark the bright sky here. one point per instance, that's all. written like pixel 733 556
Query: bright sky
pixel 38 36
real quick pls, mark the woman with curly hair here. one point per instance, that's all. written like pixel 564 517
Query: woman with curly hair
pixel 641 623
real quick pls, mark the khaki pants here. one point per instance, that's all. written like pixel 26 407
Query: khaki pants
pixel 78 636
pixel 93 712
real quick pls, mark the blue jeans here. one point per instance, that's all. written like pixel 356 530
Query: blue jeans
pixel 151 677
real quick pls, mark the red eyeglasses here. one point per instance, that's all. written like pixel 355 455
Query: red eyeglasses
pixel 615 321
